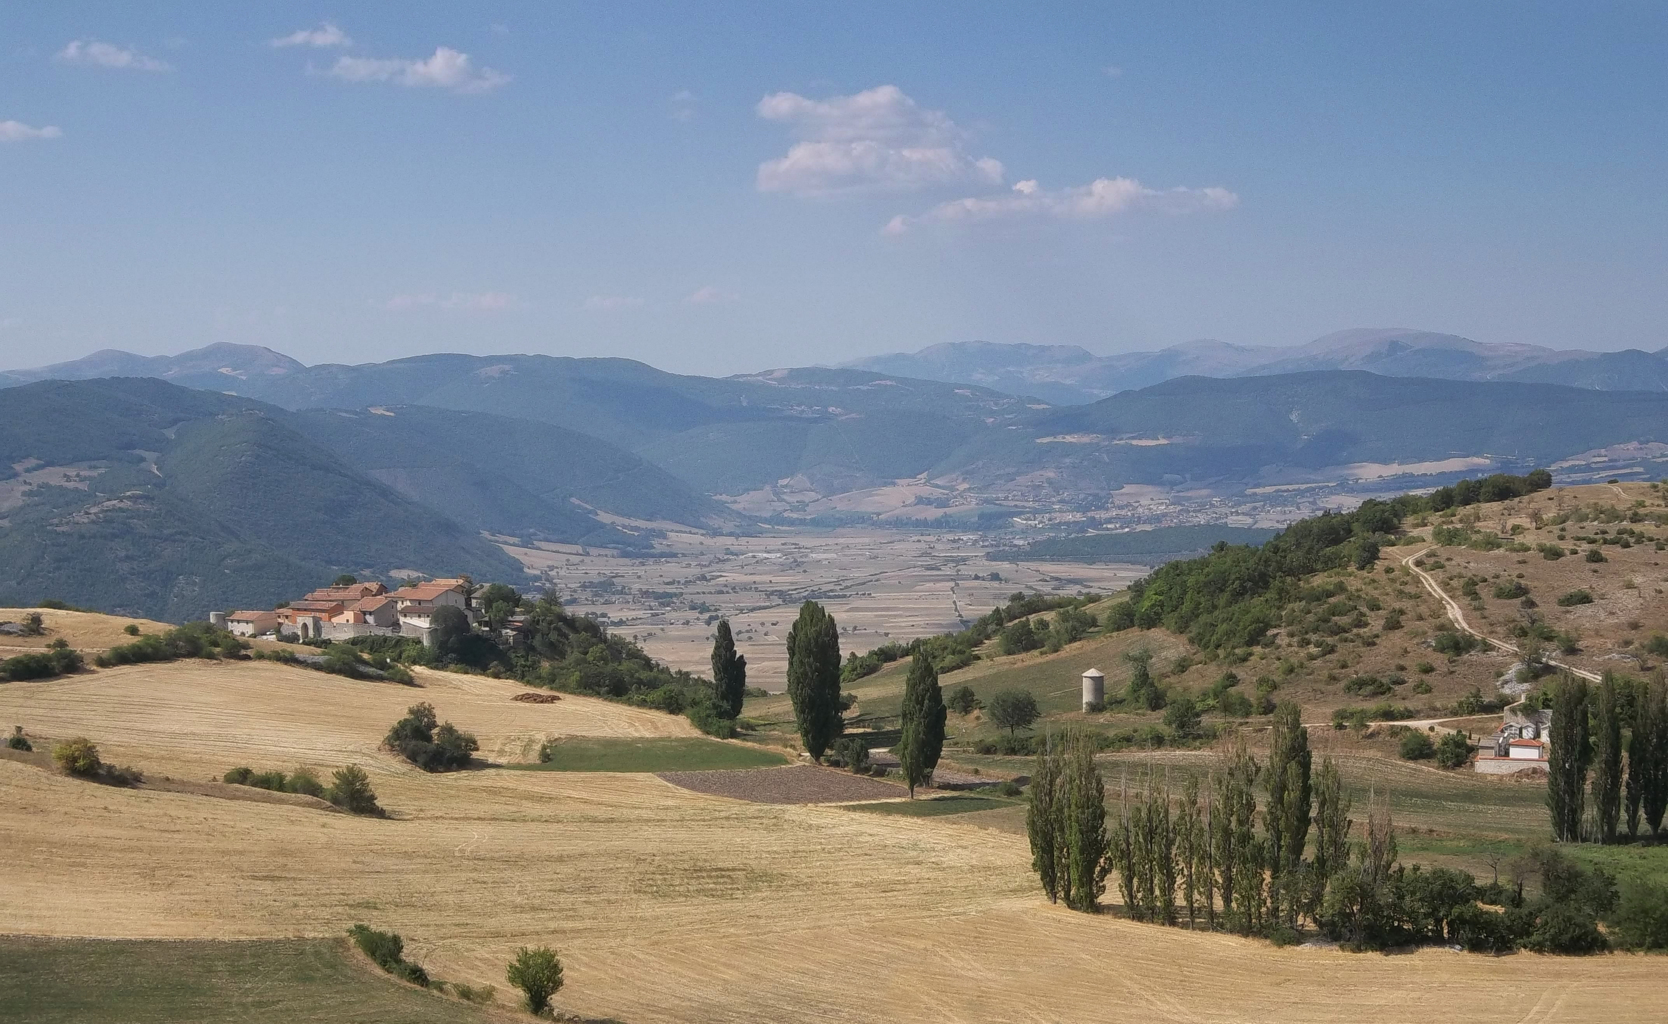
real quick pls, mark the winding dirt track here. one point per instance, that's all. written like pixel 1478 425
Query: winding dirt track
pixel 667 905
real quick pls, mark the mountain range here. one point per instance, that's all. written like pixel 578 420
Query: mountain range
pixel 1070 375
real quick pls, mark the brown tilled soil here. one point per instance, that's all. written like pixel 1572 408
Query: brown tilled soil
pixel 793 784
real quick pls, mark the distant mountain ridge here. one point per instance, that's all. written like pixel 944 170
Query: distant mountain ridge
pixel 1070 375
pixel 219 367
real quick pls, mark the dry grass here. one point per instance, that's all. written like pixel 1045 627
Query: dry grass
pixel 84 631
pixel 667 905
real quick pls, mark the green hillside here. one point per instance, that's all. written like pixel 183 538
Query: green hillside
pixel 185 501
pixel 509 476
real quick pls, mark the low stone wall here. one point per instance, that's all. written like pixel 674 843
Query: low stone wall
pixel 1506 765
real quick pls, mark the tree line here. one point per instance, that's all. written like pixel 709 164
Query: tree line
pixel 1607 758
pixel 1270 848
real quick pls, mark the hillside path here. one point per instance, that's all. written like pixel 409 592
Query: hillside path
pixel 1457 616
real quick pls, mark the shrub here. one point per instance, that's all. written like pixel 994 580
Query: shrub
pixel 192 640
pixel 1234 704
pixel 431 747
pixel 1595 555
pixel 238 776
pixel 538 973
pixel 131 629
pixel 350 789
pixel 1550 552
pixel 1453 750
pixel 1511 590
pixel 1657 645
pixel 963 702
pixel 17 741
pixel 1575 597
pixel 547 750
pixel 1640 920
pixel 1182 716
pixel 1415 746
pixel 1566 927
pixel 387 949
pixel 1019 637
pixel 853 753
pixel 1453 643
pixel 306 782
pixel 474 993
pixel 78 757
pixel 1367 686
pixel 705 716
pixel 1478 930
pixel 1008 787
pixel 60 660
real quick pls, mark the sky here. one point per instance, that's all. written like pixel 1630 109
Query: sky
pixel 722 187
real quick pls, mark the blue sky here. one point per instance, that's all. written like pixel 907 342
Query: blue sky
pixel 723 187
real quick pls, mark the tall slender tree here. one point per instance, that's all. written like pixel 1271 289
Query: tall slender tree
pixel 1638 755
pixel 814 678
pixel 1567 759
pixel 729 671
pixel 1607 759
pixel 1188 826
pixel 1121 852
pixel 1043 817
pixel 1655 785
pixel 923 723
pixel 1085 825
pixel 1332 827
pixel 1289 802
pixel 1164 852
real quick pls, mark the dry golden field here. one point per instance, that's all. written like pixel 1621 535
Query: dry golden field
pixel 85 631
pixel 667 905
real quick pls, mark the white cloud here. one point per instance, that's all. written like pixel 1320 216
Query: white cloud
pixel 327 34
pixel 1103 197
pixel 446 69
pixel 683 105
pixel 473 302
pixel 709 296
pixel 611 303
pixel 106 55
pixel 17 131
pixel 1112 71
pixel 878 138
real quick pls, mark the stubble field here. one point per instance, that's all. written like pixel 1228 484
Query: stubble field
pixel 668 905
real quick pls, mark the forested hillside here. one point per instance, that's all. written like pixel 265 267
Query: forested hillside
pixel 139 497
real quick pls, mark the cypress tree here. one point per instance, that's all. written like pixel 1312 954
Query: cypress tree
pixel 1121 852
pixel 729 671
pixel 1638 754
pixel 1187 846
pixel 1042 817
pixel 1085 825
pixel 923 723
pixel 1332 827
pixel 814 678
pixel 1607 759
pixel 1289 801
pixel 1654 791
pixel 1567 759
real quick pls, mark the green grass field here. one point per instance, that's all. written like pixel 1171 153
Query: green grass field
pixel 960 803
pixel 291 981
pixel 666 754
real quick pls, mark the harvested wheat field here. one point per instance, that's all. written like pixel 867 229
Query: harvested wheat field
pixel 85 631
pixel 667 905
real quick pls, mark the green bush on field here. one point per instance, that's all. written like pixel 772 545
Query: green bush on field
pixel 430 745
pixel 962 701
pixel 388 949
pixel 538 973
pixel 303 780
pixel 1575 597
pixel 17 741
pixel 1453 750
pixel 78 757
pixel 57 661
pixel 1415 746
pixel 350 789
pixel 192 640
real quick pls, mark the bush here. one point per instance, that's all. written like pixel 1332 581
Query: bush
pixel 192 640
pixel 1640 920
pixel 1367 686
pixel 1009 788
pixel 78 757
pixel 1478 930
pixel 1565 927
pixel 238 776
pixel 431 747
pixel 1454 643
pixel 963 702
pixel 474 993
pixel 852 753
pixel 17 741
pixel 1182 716
pixel 387 949
pixel 547 750
pixel 1575 597
pixel 1235 705
pixel 1595 555
pixel 42 665
pixel 350 789
pixel 538 973
pixel 705 716
pixel 1550 552
pixel 1415 746
pixel 1453 750
pixel 306 782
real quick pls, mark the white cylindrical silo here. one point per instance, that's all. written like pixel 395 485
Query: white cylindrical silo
pixel 1094 688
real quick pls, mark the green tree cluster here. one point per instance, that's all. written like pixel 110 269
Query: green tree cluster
pixel 814 678
pixel 429 744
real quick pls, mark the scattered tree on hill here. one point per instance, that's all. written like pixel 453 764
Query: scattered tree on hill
pixel 1143 693
pixel 1453 750
pixel 387 949
pixel 1012 710
pixel 345 580
pixel 78 757
pixel 963 701
pixel 430 746
pixel 350 789
pixel 448 630
pixel 1019 637
pixel 498 601
pixel 1567 759
pixel 1607 759
pixel 814 677
pixel 924 715
pixel 729 672
pixel 538 973
pixel 1182 716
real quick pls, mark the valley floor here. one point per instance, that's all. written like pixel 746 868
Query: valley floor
pixel 666 904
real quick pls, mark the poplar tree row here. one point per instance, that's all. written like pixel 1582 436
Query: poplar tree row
pixel 1616 732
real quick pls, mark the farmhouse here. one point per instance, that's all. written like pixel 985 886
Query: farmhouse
pixel 252 623
pixel 1518 746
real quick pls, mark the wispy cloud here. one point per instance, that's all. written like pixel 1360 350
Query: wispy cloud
pixel 875 139
pixel 445 69
pixel 683 105
pixel 327 34
pixel 107 55
pixel 473 302
pixel 17 131
pixel 611 303
pixel 1103 197
pixel 1112 71
pixel 709 296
